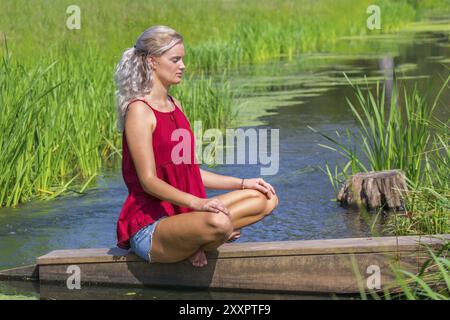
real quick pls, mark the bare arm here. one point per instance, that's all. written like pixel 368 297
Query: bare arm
pixel 139 140
pixel 216 181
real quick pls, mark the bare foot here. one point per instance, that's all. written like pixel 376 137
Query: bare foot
pixel 234 235
pixel 198 259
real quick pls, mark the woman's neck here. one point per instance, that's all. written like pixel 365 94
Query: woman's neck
pixel 161 102
pixel 159 93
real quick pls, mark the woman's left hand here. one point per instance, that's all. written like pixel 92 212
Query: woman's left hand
pixel 260 185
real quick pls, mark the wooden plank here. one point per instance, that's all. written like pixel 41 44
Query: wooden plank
pixel 29 272
pixel 258 249
pixel 303 274
pixel 92 255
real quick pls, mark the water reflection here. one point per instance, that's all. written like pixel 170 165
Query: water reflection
pixel 49 291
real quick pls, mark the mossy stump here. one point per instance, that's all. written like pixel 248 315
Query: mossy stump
pixel 374 189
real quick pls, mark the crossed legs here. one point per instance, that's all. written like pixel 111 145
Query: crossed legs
pixel 178 237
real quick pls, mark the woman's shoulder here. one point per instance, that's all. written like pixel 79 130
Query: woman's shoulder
pixel 138 101
pixel 139 112
pixel 139 106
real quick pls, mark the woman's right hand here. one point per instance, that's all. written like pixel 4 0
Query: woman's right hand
pixel 212 205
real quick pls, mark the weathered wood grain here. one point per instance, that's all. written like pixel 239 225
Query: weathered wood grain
pixel 29 272
pixel 374 189
pixel 258 249
pixel 307 266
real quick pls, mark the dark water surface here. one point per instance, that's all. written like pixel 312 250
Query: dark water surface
pixel 309 91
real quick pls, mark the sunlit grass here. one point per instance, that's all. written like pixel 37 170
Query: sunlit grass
pixel 57 93
pixel 432 282
pixel 59 127
pixel 16 297
pixel 400 133
pixel 218 34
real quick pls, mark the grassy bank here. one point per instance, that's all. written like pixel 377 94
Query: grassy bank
pixel 57 91
pixel 59 132
pixel 401 132
pixel 431 282
pixel 218 34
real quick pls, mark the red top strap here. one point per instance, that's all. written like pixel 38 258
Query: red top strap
pixel 148 104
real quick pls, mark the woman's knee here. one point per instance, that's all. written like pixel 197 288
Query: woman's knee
pixel 252 193
pixel 220 224
pixel 268 205
pixel 272 203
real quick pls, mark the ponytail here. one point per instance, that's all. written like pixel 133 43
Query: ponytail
pixel 133 78
pixel 133 74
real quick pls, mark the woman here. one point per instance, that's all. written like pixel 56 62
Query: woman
pixel 151 221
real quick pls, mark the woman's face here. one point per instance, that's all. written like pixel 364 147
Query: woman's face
pixel 169 67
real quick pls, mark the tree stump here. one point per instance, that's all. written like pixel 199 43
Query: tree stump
pixel 374 189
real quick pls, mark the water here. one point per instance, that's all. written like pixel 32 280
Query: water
pixel 290 96
pixel 33 290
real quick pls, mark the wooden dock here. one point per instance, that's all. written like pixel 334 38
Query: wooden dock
pixel 306 266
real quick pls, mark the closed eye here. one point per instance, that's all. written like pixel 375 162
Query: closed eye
pixel 175 59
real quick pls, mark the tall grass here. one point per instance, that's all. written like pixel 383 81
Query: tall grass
pixel 57 95
pixel 218 34
pixel 208 101
pixel 400 134
pixel 431 282
pixel 393 137
pixel 428 202
pixel 59 125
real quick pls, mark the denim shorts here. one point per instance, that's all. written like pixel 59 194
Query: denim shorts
pixel 141 242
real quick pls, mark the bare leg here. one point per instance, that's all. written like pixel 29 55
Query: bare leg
pixel 179 237
pixel 246 207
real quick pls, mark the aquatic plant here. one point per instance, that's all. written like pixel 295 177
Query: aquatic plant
pixel 403 134
pixel 400 134
pixel 431 282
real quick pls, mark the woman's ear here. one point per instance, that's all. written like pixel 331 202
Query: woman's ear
pixel 151 62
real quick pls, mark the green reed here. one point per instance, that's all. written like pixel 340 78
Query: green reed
pixel 428 203
pixel 59 124
pixel 57 91
pixel 218 34
pixel 400 133
pixel 431 282
pixel 207 100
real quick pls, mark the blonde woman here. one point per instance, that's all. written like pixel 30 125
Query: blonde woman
pixel 152 221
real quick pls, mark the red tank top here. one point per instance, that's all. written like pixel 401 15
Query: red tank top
pixel 140 208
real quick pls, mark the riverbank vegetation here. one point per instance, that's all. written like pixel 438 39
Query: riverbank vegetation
pixel 431 282
pixel 400 132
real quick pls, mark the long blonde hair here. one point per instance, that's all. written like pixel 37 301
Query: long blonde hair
pixel 133 75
